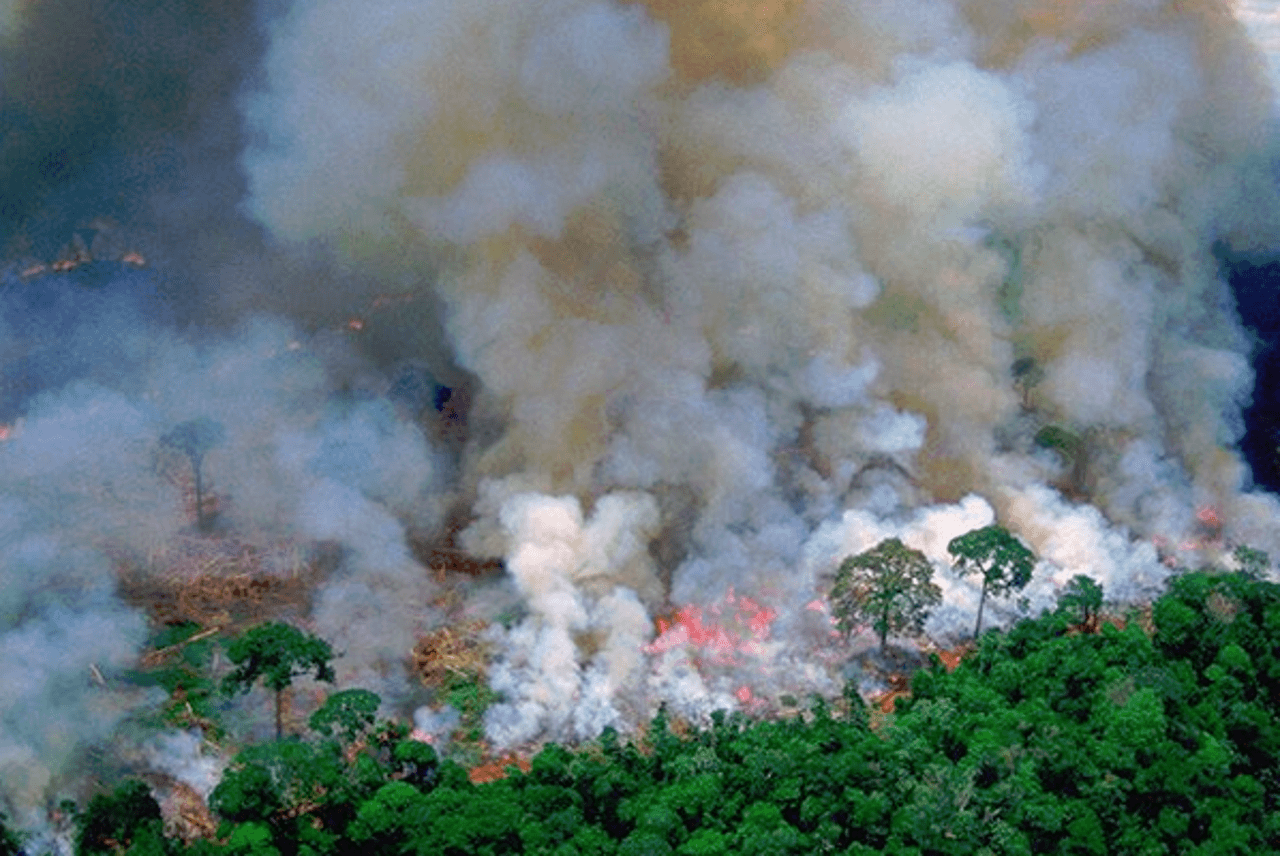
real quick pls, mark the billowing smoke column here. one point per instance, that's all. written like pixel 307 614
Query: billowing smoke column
pixel 763 280
pixel 735 289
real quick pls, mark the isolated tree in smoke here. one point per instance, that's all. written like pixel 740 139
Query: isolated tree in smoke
pixel 194 438
pixel 1027 375
pixel 277 653
pixel 1083 597
pixel 997 554
pixel 889 586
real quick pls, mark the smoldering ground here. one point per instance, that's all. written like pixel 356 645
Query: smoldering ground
pixel 734 288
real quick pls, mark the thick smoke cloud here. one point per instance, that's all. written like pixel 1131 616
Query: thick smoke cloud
pixel 781 259
pixel 725 291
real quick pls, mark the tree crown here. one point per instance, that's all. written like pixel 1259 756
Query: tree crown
pixel 349 713
pixel 276 653
pixel 889 586
pixel 194 437
pixel 1083 596
pixel 997 554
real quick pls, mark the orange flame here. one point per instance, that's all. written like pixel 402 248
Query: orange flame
pixel 744 629
pixel 1208 515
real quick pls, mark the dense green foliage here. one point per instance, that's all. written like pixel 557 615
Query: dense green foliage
pixel 128 817
pixel 350 713
pixel 1044 740
pixel 468 694
pixel 185 656
pixel 1082 599
pixel 10 841
pixel 889 587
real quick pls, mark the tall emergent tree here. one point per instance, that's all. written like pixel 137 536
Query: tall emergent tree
pixel 194 438
pixel 890 586
pixel 277 653
pixel 997 554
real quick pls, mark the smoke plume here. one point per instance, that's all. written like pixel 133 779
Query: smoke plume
pixel 782 259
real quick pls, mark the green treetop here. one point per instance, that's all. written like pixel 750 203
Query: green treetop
pixel 1083 597
pixel 889 586
pixel 276 653
pixel 349 714
pixel 997 554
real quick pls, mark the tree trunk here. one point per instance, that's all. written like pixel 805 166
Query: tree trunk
pixel 279 719
pixel 982 601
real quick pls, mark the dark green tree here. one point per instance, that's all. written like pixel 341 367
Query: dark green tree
pixel 276 653
pixel 248 791
pixel 889 586
pixel 1082 597
pixel 195 438
pixel 997 554
pixel 417 763
pixel 389 820
pixel 351 713
pixel 112 821
pixel 10 841
pixel 1027 375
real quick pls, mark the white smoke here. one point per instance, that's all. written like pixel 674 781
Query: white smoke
pixel 1262 19
pixel 568 569
pixel 185 756
pixel 75 467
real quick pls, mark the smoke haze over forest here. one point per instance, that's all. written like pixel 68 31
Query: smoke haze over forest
pixel 664 304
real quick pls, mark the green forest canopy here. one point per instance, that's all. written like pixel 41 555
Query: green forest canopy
pixel 1044 739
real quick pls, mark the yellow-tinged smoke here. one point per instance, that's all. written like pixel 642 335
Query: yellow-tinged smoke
pixel 738 41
